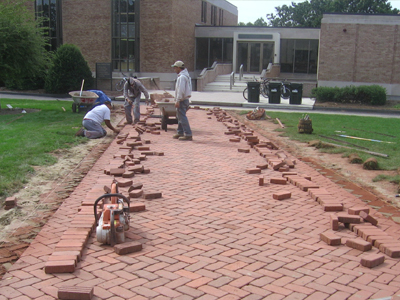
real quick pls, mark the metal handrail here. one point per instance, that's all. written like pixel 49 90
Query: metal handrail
pixel 240 72
pixel 232 80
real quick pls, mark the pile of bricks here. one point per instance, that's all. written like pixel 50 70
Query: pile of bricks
pixel 356 219
pixel 359 221
pixel 126 163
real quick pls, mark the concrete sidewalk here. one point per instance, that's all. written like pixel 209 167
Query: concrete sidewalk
pixel 217 232
pixel 229 100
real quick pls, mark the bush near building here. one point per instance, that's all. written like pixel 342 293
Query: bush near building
pixel 67 71
pixel 364 94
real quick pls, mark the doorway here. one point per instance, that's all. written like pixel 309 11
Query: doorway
pixel 254 56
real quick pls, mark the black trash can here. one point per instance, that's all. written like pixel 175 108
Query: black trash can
pixel 274 88
pixel 296 93
pixel 253 92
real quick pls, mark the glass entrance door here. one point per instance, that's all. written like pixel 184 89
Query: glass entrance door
pixel 254 56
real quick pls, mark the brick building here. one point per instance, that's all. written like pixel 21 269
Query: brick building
pixel 144 37
pixel 141 37
pixel 360 50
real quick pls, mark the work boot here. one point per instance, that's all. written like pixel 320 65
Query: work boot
pixel 185 138
pixel 177 136
pixel 80 132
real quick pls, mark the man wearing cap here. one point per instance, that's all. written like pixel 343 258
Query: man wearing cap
pixel 183 91
pixel 93 119
pixel 133 90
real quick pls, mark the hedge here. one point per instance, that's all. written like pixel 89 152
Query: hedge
pixel 364 94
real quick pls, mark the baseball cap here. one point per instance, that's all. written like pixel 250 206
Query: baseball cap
pixel 178 64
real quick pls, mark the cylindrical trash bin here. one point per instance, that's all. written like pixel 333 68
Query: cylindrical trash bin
pixel 274 88
pixel 253 92
pixel 296 93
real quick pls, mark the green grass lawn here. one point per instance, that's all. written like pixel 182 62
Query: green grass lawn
pixel 28 140
pixel 327 127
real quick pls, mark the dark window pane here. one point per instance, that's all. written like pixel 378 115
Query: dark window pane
pixel 268 54
pixel 123 51
pixel 287 53
pixel 313 57
pixel 201 53
pixel 228 50
pixel 242 56
pixel 215 50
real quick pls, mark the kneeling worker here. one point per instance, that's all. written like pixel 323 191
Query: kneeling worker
pixel 93 119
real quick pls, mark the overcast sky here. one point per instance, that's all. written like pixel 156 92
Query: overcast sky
pixel 251 10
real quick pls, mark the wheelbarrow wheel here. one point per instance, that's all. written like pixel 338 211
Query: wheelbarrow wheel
pixel 74 107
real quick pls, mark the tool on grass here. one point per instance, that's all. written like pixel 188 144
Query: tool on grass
pixel 359 138
pixel 114 219
pixel 372 132
pixel 347 143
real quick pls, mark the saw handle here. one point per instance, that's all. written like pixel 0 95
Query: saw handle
pixel 107 196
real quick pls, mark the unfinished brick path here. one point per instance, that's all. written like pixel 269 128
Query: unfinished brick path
pixel 216 233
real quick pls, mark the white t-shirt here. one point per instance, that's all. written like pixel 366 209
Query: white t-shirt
pixel 99 114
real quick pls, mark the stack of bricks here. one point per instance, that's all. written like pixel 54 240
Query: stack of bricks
pixel 326 199
pixel 10 202
pixel 358 220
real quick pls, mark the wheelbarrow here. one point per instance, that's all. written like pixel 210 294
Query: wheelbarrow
pixel 84 99
pixel 168 113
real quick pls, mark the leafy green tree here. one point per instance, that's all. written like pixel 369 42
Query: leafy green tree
pixel 67 71
pixel 23 57
pixel 309 13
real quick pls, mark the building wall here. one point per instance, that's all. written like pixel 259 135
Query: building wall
pixel 87 24
pixel 359 50
pixel 168 32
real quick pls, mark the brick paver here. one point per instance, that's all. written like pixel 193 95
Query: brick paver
pixel 215 232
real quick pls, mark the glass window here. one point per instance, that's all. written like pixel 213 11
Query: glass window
pixel 50 11
pixel 299 56
pixel 287 54
pixel 213 15
pixel 204 11
pixel 227 51
pixel 268 54
pixel 209 50
pixel 124 34
pixel 221 17
pixel 201 53
pixel 215 50
pixel 312 67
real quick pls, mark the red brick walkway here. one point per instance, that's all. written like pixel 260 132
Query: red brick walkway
pixel 214 234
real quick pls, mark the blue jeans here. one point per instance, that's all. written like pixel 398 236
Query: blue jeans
pixel 136 110
pixel 93 129
pixel 183 122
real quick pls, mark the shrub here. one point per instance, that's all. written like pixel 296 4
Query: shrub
pixel 364 94
pixel 67 71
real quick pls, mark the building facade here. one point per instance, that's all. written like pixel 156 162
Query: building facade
pixel 134 36
pixel 144 37
pixel 360 50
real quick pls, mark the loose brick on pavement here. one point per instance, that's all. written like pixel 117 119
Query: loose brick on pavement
pixel 372 260
pixel 75 293
pixel 330 238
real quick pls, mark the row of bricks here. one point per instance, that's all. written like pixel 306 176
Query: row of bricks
pixel 329 204
pixel 69 250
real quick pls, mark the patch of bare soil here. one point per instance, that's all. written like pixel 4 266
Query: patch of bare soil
pixel 44 193
pixel 354 173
